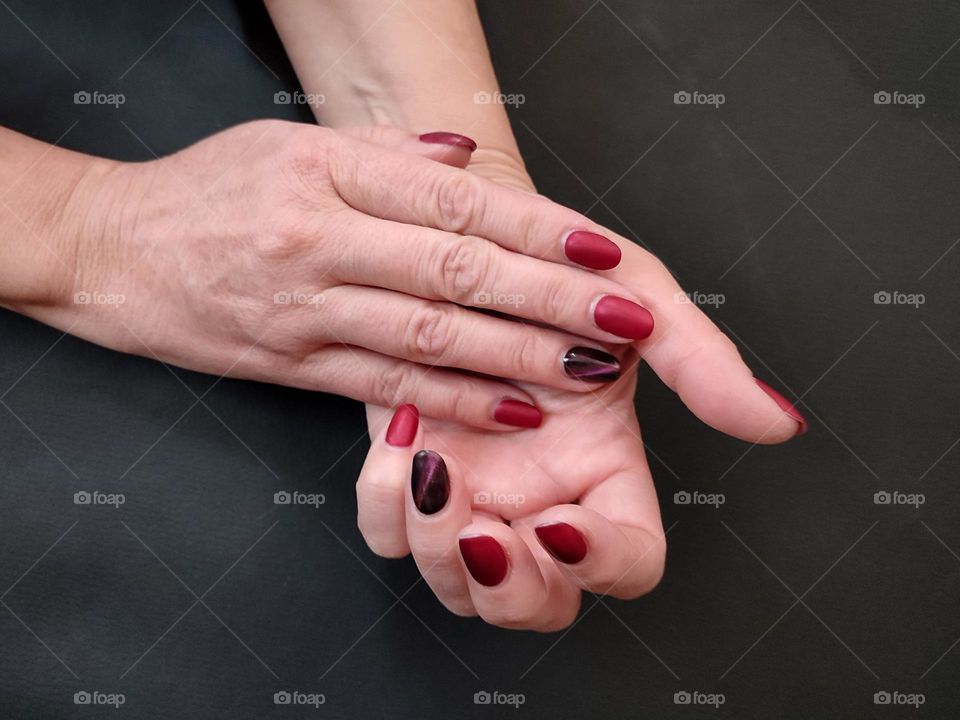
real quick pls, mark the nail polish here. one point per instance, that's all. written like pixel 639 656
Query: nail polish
pixel 449 138
pixel 591 250
pixel 403 426
pixel 623 318
pixel 517 413
pixel 563 541
pixel 429 482
pixel 484 558
pixel 590 365
pixel 785 405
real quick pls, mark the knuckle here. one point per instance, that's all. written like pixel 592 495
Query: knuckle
pixel 527 357
pixel 464 265
pixel 648 576
pixel 554 300
pixel 430 333
pixel 396 384
pixel 459 201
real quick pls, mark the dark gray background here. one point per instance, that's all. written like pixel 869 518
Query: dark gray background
pixel 798 598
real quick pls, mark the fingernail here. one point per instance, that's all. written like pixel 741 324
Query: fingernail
pixel 785 405
pixel 485 559
pixel 591 250
pixel 449 138
pixel 623 318
pixel 591 365
pixel 403 426
pixel 563 541
pixel 517 413
pixel 429 482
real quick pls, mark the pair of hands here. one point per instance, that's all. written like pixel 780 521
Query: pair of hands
pixel 345 261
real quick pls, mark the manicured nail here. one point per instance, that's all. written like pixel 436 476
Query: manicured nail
pixel 517 413
pixel 449 138
pixel 591 250
pixel 485 559
pixel 591 365
pixel 429 482
pixel 403 427
pixel 785 405
pixel 623 318
pixel 563 541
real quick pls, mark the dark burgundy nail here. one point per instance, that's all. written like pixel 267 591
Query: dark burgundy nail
pixel 591 250
pixel 785 405
pixel 591 365
pixel 403 426
pixel 429 482
pixel 563 541
pixel 517 413
pixel 485 559
pixel 449 138
pixel 623 318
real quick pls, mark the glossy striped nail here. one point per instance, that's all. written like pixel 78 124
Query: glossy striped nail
pixel 429 482
pixel 590 365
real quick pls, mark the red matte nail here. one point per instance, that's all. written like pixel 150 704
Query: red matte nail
pixel 591 250
pixel 622 317
pixel 517 413
pixel 403 427
pixel 563 541
pixel 785 405
pixel 485 559
pixel 449 138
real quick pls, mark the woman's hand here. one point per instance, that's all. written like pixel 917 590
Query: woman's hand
pixel 344 262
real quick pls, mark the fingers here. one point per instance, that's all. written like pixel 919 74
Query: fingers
pixel 395 186
pixel 442 394
pixel 444 334
pixel 384 478
pixel 471 271
pixel 448 148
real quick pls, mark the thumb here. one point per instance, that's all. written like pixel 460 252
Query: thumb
pixel 444 147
